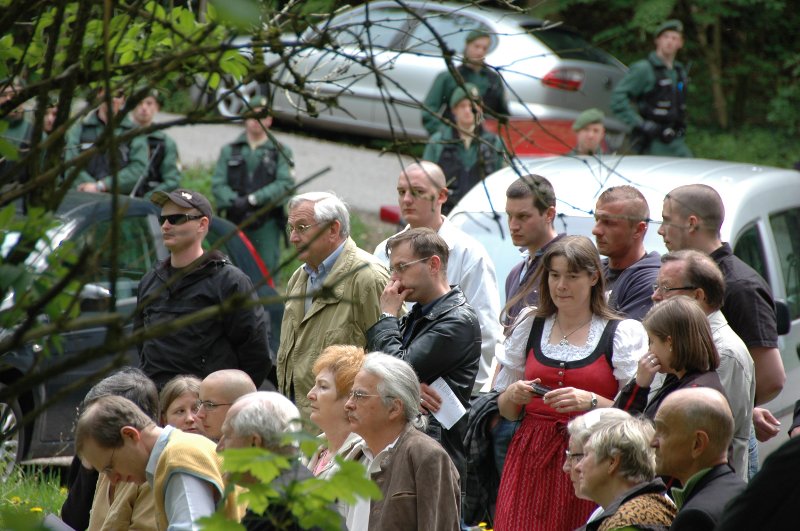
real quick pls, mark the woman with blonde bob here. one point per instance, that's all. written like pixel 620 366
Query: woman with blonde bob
pixel 582 353
pixel 681 347
pixel 178 400
pixel 334 373
pixel 617 471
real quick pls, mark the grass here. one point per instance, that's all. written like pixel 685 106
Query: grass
pixel 27 495
pixel 757 145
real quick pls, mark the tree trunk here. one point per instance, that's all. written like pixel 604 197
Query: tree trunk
pixel 712 52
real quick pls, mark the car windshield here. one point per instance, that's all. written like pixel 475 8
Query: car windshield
pixel 568 44
pixel 38 259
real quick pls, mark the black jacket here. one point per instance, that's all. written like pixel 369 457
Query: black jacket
pixel 234 340
pixel 446 343
pixel 703 508
pixel 634 399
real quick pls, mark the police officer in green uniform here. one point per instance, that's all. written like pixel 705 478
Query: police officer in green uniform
pixel 473 70
pixel 18 134
pixel 651 98
pixel 590 133
pixel 162 172
pixel 465 152
pixel 253 171
pixel 132 154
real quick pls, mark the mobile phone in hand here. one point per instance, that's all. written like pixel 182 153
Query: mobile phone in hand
pixel 540 389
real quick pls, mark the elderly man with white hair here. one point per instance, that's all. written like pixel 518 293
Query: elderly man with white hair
pixel 417 478
pixel 332 299
pixel 260 420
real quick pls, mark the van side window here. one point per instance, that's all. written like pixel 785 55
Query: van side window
pixel 750 248
pixel 786 229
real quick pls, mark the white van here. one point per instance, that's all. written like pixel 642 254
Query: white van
pixel 762 224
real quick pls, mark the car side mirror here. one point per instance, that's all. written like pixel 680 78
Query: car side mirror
pixel 95 298
pixel 783 317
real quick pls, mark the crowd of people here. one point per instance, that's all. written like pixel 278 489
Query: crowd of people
pixel 614 389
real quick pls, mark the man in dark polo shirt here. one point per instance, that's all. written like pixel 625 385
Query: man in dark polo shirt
pixel 692 217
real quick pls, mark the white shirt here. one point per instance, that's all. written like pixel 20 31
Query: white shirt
pixel 186 497
pixel 470 267
pixel 630 344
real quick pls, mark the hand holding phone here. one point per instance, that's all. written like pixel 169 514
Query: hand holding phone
pixel 540 389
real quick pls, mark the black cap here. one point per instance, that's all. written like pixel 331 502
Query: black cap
pixel 184 198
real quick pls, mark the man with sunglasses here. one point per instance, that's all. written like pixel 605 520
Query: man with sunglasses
pixel 440 337
pixel 90 132
pixel 191 280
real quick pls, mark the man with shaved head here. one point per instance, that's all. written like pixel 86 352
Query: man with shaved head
pixel 692 217
pixel 421 192
pixel 694 428
pixel 218 391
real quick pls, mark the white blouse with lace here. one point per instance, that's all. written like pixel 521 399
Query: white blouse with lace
pixel 630 344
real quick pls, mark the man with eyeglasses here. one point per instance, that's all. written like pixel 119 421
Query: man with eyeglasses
pixel 191 280
pixel 90 132
pixel 694 274
pixel 419 483
pixel 332 299
pixel 218 391
pixel 692 217
pixel 252 181
pixel 440 337
pixel 622 216
pixel 421 192
pixel 114 437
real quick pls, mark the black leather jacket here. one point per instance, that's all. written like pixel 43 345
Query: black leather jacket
pixel 234 340
pixel 446 343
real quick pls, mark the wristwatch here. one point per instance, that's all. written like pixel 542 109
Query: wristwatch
pixel 594 401
pixel 385 315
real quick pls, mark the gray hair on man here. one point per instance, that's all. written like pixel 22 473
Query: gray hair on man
pixel 267 414
pixel 398 381
pixel 630 440
pixel 328 207
pixel 131 383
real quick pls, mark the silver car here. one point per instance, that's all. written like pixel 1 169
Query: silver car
pixel 385 55
pixel 762 224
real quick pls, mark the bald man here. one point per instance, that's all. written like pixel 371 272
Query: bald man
pixel 421 192
pixel 694 428
pixel 218 391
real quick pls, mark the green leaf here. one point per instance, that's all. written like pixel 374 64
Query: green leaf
pixel 218 522
pixel 7 149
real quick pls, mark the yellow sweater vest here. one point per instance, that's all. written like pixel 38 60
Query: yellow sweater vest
pixel 192 454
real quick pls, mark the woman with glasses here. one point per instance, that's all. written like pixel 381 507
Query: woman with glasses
pixel 617 471
pixel 568 356
pixel 179 404
pixel 334 372
pixel 681 348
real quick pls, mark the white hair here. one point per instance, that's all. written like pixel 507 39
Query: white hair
pixel 267 414
pixel 328 207
pixel 398 380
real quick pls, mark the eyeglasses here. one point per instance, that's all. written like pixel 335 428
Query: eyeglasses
pixel 358 396
pixel 665 289
pixel 210 406
pixel 299 229
pixel 573 456
pixel 178 219
pixel 110 468
pixel 399 268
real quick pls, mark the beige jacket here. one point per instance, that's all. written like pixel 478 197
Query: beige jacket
pixel 340 317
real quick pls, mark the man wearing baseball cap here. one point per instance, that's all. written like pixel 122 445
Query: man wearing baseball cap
pixel 188 281
pixel 651 98
pixel 589 132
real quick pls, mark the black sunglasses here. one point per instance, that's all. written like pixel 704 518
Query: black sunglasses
pixel 178 219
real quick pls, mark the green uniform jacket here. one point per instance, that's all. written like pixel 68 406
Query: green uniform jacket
pixel 137 158
pixel 275 192
pixel 18 134
pixel 170 174
pixel 438 97
pixel 343 317
pixel 468 155
pixel 640 80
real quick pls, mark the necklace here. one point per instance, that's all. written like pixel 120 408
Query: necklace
pixel 563 342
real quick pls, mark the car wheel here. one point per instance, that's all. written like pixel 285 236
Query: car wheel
pixel 12 445
pixel 232 102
